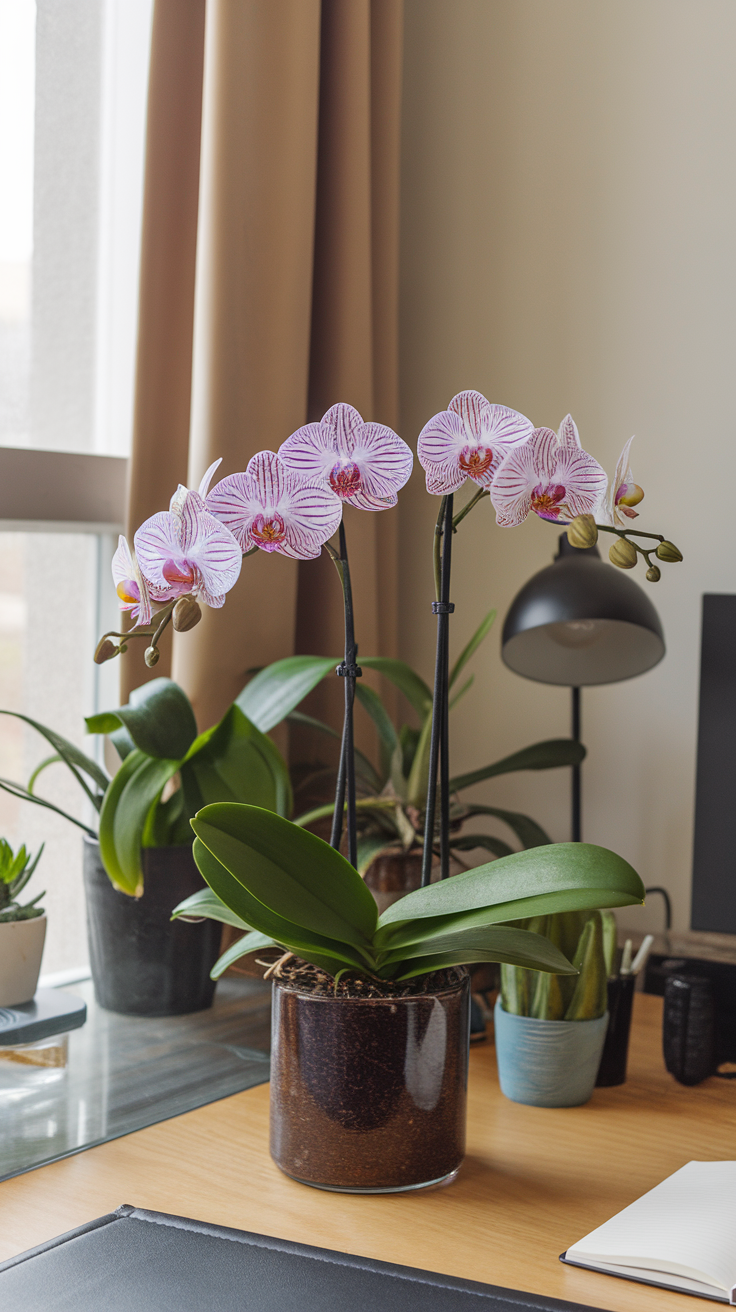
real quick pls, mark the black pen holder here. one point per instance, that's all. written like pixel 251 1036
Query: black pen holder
pixel 612 1069
pixel 689 1032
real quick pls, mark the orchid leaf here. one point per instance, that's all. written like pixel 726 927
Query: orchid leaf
pixel 416 789
pixel 292 871
pixel 540 756
pixel 517 947
pixel 363 804
pixel 132 793
pixel 235 762
pixel 387 737
pixel 159 719
pixel 266 920
pixel 252 942
pixel 461 692
pixel 372 846
pixel 528 832
pixel 277 690
pixel 404 678
pixel 205 903
pixel 469 842
pixel 480 633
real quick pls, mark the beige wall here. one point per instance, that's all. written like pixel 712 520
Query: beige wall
pixel 569 215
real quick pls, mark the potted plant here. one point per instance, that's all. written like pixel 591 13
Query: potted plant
pixel 138 859
pixel 370 1020
pixel 22 927
pixel 550 1029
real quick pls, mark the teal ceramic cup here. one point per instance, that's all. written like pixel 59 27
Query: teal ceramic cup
pixel 548 1063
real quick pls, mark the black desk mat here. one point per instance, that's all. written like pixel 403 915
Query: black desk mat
pixel 151 1262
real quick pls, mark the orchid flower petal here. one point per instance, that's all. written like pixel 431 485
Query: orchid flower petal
pixel 550 474
pixel 187 550
pixel 469 439
pixel 204 485
pixel 363 464
pixel 132 588
pixel 267 506
pixel 613 513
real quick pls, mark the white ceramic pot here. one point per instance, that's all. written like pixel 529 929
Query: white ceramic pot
pixel 547 1063
pixel 21 949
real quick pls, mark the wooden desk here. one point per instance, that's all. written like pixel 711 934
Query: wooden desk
pixel 533 1182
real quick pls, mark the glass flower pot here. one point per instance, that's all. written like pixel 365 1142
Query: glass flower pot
pixel 368 1094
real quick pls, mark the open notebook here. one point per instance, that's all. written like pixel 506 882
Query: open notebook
pixel 681 1235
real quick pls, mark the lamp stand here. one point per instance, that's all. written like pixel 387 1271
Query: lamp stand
pixel 576 778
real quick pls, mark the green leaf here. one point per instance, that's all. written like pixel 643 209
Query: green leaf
pixel 404 678
pixel 159 718
pixel 253 942
pixel 370 847
pixel 128 801
pixel 416 789
pixel 235 762
pixel 363 767
pixel 540 756
pixel 461 692
pixel 310 946
pixel 292 871
pixel 387 737
pixel 206 903
pixel 278 689
pixel 362 805
pixel 17 790
pixel 72 756
pixel 518 947
pixel 560 877
pixel 480 633
pixel 409 742
pixel 468 842
pixel 528 832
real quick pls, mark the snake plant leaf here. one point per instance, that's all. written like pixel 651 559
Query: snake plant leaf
pixel 252 942
pixel 17 790
pixel 561 877
pixel 518 947
pixel 481 632
pixel 528 832
pixel 291 870
pixel 132 793
pixel 540 756
pixel 205 903
pixel 158 717
pixel 277 690
pixel 235 762
pixel 363 767
pixel 468 843
pixel 71 755
pixel 405 679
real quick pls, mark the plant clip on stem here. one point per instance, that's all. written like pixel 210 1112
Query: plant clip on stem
pixel 439 745
pixel 349 671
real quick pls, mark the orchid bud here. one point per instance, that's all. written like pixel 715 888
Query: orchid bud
pixel 623 554
pixel 151 656
pixel 654 574
pixel 582 532
pixel 632 495
pixel 186 614
pixel 105 651
pixel 668 552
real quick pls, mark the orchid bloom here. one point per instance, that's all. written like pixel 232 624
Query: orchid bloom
pixel 468 440
pixel 363 464
pixel 623 492
pixel 270 508
pixel 187 550
pixel 550 474
pixel 132 589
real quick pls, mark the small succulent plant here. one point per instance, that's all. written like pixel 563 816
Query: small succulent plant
pixel 16 869
pixel 588 940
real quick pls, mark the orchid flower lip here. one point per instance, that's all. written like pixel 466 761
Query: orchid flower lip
pixel 549 474
pixel 186 550
pixel 365 464
pixel 469 439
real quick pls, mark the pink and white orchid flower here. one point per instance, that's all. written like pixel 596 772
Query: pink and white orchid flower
pixel 363 464
pixel 623 493
pixel 187 550
pixel 468 440
pixel 132 589
pixel 269 507
pixel 550 474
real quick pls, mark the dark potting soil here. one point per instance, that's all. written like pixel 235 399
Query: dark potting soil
pixel 306 978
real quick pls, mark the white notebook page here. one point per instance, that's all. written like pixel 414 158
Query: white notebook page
pixel 686 1225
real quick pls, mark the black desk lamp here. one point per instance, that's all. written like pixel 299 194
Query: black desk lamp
pixel 580 622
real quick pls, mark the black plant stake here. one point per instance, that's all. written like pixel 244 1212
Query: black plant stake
pixel 439 746
pixel 350 672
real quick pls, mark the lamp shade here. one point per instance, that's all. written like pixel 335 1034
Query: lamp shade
pixel 581 621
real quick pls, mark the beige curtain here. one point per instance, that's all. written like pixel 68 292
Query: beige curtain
pixel 294 304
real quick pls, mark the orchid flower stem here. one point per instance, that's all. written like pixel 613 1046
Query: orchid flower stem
pixel 166 619
pixel 345 792
pixel 460 516
pixel 437 549
pixel 439 740
pixel 625 532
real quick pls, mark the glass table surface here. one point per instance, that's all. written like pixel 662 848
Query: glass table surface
pixel 126 1072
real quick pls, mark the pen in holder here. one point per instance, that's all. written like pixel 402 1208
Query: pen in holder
pixel 612 1069
pixel 688 1033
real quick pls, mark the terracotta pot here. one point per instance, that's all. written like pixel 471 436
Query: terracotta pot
pixel 368 1094
pixel 21 950
pixel 142 962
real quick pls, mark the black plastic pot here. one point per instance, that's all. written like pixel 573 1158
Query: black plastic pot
pixel 368 1094
pixel 142 962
